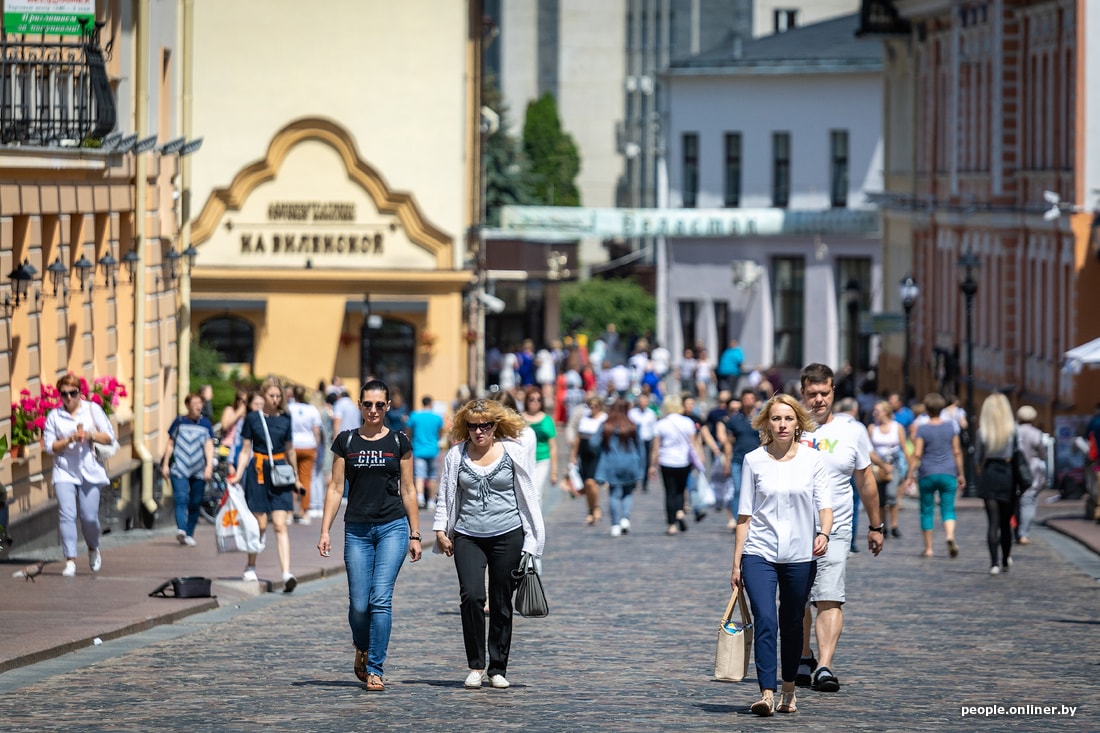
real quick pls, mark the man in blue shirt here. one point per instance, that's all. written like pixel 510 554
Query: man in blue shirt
pixel 729 366
pixel 902 414
pixel 424 427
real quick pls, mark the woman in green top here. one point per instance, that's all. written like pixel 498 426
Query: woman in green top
pixel 546 448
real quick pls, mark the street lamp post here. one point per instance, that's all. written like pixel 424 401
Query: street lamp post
pixel 969 288
pixel 909 291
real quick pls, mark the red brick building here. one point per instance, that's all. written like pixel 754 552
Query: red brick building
pixel 988 104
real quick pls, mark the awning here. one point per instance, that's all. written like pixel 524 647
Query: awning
pixel 1082 356
pixel 227 305
pixel 387 306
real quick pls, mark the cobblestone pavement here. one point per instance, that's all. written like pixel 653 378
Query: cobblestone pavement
pixel 628 646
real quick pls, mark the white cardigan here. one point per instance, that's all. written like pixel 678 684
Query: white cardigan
pixel 527 496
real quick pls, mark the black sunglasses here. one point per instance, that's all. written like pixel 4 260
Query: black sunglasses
pixel 377 405
pixel 473 427
pixel 70 393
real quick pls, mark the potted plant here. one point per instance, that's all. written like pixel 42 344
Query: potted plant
pixel 28 417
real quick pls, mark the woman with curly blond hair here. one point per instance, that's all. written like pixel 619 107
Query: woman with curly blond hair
pixel 487 515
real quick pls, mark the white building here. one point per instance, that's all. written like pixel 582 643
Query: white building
pixel 790 121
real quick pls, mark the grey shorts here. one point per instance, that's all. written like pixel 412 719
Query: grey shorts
pixel 829 583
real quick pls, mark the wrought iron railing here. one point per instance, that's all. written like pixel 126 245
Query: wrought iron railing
pixel 54 92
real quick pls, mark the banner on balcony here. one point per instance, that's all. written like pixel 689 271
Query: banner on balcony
pixel 52 17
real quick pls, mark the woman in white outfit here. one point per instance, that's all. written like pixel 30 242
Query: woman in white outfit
pixel 70 434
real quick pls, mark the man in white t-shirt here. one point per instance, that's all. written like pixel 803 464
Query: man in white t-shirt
pixel 846 449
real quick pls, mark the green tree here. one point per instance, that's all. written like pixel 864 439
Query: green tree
pixel 206 368
pixel 552 155
pixel 595 303
pixel 507 175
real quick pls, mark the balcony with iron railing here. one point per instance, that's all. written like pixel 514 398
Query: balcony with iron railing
pixel 54 90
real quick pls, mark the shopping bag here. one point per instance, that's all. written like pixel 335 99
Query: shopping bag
pixel 235 529
pixel 731 660
pixel 530 598
pixel 704 493
pixel 575 481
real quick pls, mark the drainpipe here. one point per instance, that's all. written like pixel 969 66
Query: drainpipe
pixel 141 120
pixel 183 338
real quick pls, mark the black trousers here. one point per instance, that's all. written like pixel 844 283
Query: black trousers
pixel 501 554
pixel 676 481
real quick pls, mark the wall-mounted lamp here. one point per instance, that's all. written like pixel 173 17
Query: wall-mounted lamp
pixel 129 261
pixel 189 256
pixel 21 278
pixel 170 266
pixel 84 268
pixel 109 265
pixel 144 145
pixel 59 275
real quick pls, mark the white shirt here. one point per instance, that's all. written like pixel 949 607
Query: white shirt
pixel 77 463
pixel 661 359
pixel 846 448
pixel 783 499
pixel 646 420
pixel 620 377
pixel 348 413
pixel 303 418
pixel 675 432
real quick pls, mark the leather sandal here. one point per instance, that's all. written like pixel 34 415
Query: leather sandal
pixel 361 666
pixel 374 682
pixel 763 706
pixel 786 702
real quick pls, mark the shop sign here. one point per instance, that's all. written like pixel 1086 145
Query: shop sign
pixel 52 17
pixel 626 223
pixel 329 227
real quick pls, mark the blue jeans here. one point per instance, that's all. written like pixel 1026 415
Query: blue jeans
pixel 794 580
pixel 855 508
pixel 735 480
pixel 621 500
pixel 373 554
pixel 187 496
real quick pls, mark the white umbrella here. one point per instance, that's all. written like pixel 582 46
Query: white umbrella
pixel 1082 356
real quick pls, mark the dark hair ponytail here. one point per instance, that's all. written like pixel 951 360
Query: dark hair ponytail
pixel 374 384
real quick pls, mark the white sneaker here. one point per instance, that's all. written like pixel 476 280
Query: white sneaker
pixel 431 505
pixel 316 513
pixel 70 569
pixel 189 541
pixel 994 570
pixel 289 582
pixel 498 682
pixel 305 520
pixel 625 524
pixel 181 536
pixel 95 560
pixel 475 678
pixel 249 574
pixel 616 530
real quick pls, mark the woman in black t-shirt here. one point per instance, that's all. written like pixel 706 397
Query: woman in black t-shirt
pixel 254 472
pixel 381 523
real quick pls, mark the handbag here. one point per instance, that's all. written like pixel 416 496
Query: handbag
pixel 530 597
pixel 103 451
pixel 731 659
pixel 1021 471
pixel 235 528
pixel 282 474
pixel 187 587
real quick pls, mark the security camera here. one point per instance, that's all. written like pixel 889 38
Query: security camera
pixel 491 302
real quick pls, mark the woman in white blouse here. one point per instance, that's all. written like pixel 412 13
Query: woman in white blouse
pixel 783 523
pixel 71 431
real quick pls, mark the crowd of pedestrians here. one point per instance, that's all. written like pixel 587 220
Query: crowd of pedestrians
pixel 786 465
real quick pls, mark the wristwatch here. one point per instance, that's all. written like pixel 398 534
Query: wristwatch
pixel 881 529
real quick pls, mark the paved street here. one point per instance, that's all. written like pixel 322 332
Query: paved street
pixel 628 647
